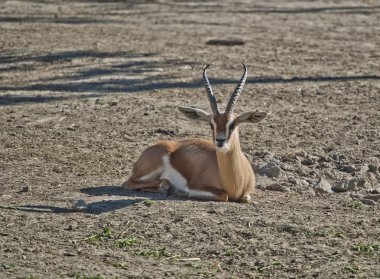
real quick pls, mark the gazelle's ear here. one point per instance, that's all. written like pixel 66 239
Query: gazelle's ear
pixel 251 117
pixel 194 113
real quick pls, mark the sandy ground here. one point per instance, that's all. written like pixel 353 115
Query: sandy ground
pixel 85 86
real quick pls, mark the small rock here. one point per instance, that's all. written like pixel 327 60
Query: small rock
pixel 374 197
pixel 25 189
pixel 373 168
pixel 271 170
pixel 304 183
pixel 364 169
pixel 72 127
pixel 292 180
pixel 348 169
pixel 277 187
pixel 113 103
pixel 322 186
pixel 356 183
pixel 368 202
pixel 310 160
pixel 375 190
pixel 80 206
pixel 352 185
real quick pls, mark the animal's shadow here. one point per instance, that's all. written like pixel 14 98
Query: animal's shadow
pixel 100 206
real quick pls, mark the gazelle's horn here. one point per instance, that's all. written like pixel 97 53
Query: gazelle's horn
pixel 235 96
pixel 210 94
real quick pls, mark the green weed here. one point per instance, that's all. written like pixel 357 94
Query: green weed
pixel 367 249
pixel 126 242
pixel 7 266
pixel 148 202
pixel 158 253
pixel 352 269
pixel 103 236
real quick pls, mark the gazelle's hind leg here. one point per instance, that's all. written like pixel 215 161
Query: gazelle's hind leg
pixel 148 168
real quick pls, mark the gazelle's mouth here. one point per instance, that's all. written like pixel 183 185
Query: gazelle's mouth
pixel 222 147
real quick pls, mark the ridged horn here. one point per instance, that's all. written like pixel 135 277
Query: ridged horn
pixel 210 93
pixel 235 96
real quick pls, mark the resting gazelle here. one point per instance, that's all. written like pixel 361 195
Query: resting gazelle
pixel 197 168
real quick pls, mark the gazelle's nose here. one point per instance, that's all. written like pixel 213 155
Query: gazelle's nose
pixel 220 142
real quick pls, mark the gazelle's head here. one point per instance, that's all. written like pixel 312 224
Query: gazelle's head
pixel 224 125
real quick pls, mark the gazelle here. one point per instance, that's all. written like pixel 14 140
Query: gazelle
pixel 198 168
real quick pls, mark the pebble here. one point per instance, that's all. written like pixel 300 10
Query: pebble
pixel 26 189
pixel 310 160
pixel 374 197
pixel 373 168
pixel 271 170
pixel 292 180
pixel 368 202
pixel 80 206
pixel 351 185
pixel 375 190
pixel 323 186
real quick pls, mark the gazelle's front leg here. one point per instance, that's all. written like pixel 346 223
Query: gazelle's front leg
pixel 246 198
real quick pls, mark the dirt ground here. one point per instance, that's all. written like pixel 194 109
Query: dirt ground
pixel 85 86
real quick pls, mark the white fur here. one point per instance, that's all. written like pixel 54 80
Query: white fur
pixel 173 176
pixel 200 194
pixel 151 176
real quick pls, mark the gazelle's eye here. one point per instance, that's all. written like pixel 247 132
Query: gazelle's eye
pixel 211 126
pixel 232 126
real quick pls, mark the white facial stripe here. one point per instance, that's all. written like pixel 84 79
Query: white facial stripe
pixel 228 127
pixel 213 124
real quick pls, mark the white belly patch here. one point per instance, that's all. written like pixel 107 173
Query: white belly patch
pixel 173 176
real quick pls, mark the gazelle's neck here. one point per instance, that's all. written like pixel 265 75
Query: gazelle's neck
pixel 232 167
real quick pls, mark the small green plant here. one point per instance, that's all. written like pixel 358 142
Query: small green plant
pixel 7 266
pixel 352 269
pixel 273 265
pixel 126 242
pixel 367 249
pixel 358 205
pixel 103 236
pixel 159 253
pixel 148 202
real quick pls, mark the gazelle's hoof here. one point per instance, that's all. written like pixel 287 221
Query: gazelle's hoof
pixel 245 198
pixel 166 188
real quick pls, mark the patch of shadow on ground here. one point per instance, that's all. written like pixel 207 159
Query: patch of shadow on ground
pixel 96 208
pixel 120 191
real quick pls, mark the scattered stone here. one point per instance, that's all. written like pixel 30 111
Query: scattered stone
pixel 113 103
pixel 25 189
pixel 271 170
pixel 375 190
pixel 80 206
pixel 364 169
pixel 72 127
pixel 368 202
pixel 351 185
pixel 304 183
pixel 373 168
pixel 374 197
pixel 310 160
pixel 277 187
pixel 348 169
pixel 322 187
pixel 292 180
